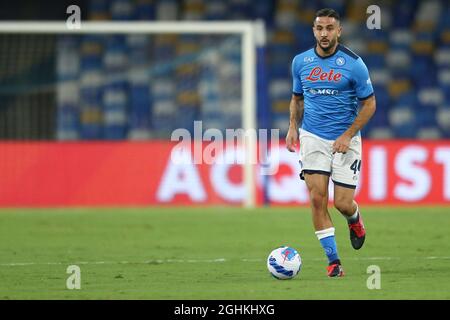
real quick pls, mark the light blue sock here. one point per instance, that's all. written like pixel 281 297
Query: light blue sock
pixel 328 242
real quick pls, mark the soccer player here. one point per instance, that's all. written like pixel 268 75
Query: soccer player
pixel 328 81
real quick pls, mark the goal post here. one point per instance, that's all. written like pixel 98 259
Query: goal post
pixel 252 35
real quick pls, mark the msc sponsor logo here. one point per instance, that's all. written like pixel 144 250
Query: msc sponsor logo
pixel 326 92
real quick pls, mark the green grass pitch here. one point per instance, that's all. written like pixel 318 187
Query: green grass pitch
pixel 217 253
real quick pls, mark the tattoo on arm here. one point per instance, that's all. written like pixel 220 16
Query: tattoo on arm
pixel 296 108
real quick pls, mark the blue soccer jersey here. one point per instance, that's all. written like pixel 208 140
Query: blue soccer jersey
pixel 331 87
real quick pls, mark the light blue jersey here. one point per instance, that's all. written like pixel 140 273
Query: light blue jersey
pixel 331 87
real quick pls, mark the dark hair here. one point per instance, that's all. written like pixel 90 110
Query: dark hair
pixel 327 12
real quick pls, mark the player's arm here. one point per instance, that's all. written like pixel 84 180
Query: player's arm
pixel 367 110
pixel 296 108
pixel 364 92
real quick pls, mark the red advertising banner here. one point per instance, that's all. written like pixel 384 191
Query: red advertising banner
pixel 148 173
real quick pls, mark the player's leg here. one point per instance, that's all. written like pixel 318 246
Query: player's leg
pixel 347 206
pixel 346 169
pixel 315 159
pixel 317 184
pixel 318 198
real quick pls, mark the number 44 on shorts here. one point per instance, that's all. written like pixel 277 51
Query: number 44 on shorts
pixel 356 166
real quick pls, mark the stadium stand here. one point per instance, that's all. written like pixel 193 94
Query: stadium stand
pixel 104 91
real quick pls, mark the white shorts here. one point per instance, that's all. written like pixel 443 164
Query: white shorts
pixel 316 157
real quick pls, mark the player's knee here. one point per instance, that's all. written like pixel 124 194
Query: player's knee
pixel 343 205
pixel 317 199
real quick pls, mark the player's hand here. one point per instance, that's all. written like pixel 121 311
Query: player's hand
pixel 342 144
pixel 292 139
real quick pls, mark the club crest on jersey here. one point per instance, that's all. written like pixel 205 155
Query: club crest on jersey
pixel 317 74
pixel 340 61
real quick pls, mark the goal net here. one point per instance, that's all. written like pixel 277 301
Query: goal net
pixel 127 81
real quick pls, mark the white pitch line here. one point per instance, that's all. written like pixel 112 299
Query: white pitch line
pixel 218 260
pixel 156 261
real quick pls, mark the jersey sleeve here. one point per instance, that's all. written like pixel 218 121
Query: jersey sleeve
pixel 363 85
pixel 297 88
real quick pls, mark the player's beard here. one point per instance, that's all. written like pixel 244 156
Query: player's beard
pixel 330 45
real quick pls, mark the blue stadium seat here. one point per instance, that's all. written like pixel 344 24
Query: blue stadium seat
pixel 115 56
pixel 145 10
pixel 402 119
pixel 99 8
pixel 280 122
pixel 408 98
pixel 167 10
pixel 444 79
pixel 239 8
pixel 139 50
pixel 263 10
pixel 68 59
pixel 405 131
pixel 404 11
pixel 140 102
pixel 68 121
pixel 424 72
pixel 382 97
pixel 376 61
pixel 91 52
pixel 379 119
pixel 426 123
pixel 122 10
pixel 400 39
pixel 425 116
pixel 399 59
pixel 431 97
pixel 414 46
pixel 443 120
pixel 216 10
pixel 338 5
pixel 115 107
pixel 304 39
pixel 280 89
pixel 91 91
pixel 190 114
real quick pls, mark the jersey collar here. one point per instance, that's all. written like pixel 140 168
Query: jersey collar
pixel 338 47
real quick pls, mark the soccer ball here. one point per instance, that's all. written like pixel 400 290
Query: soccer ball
pixel 284 263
